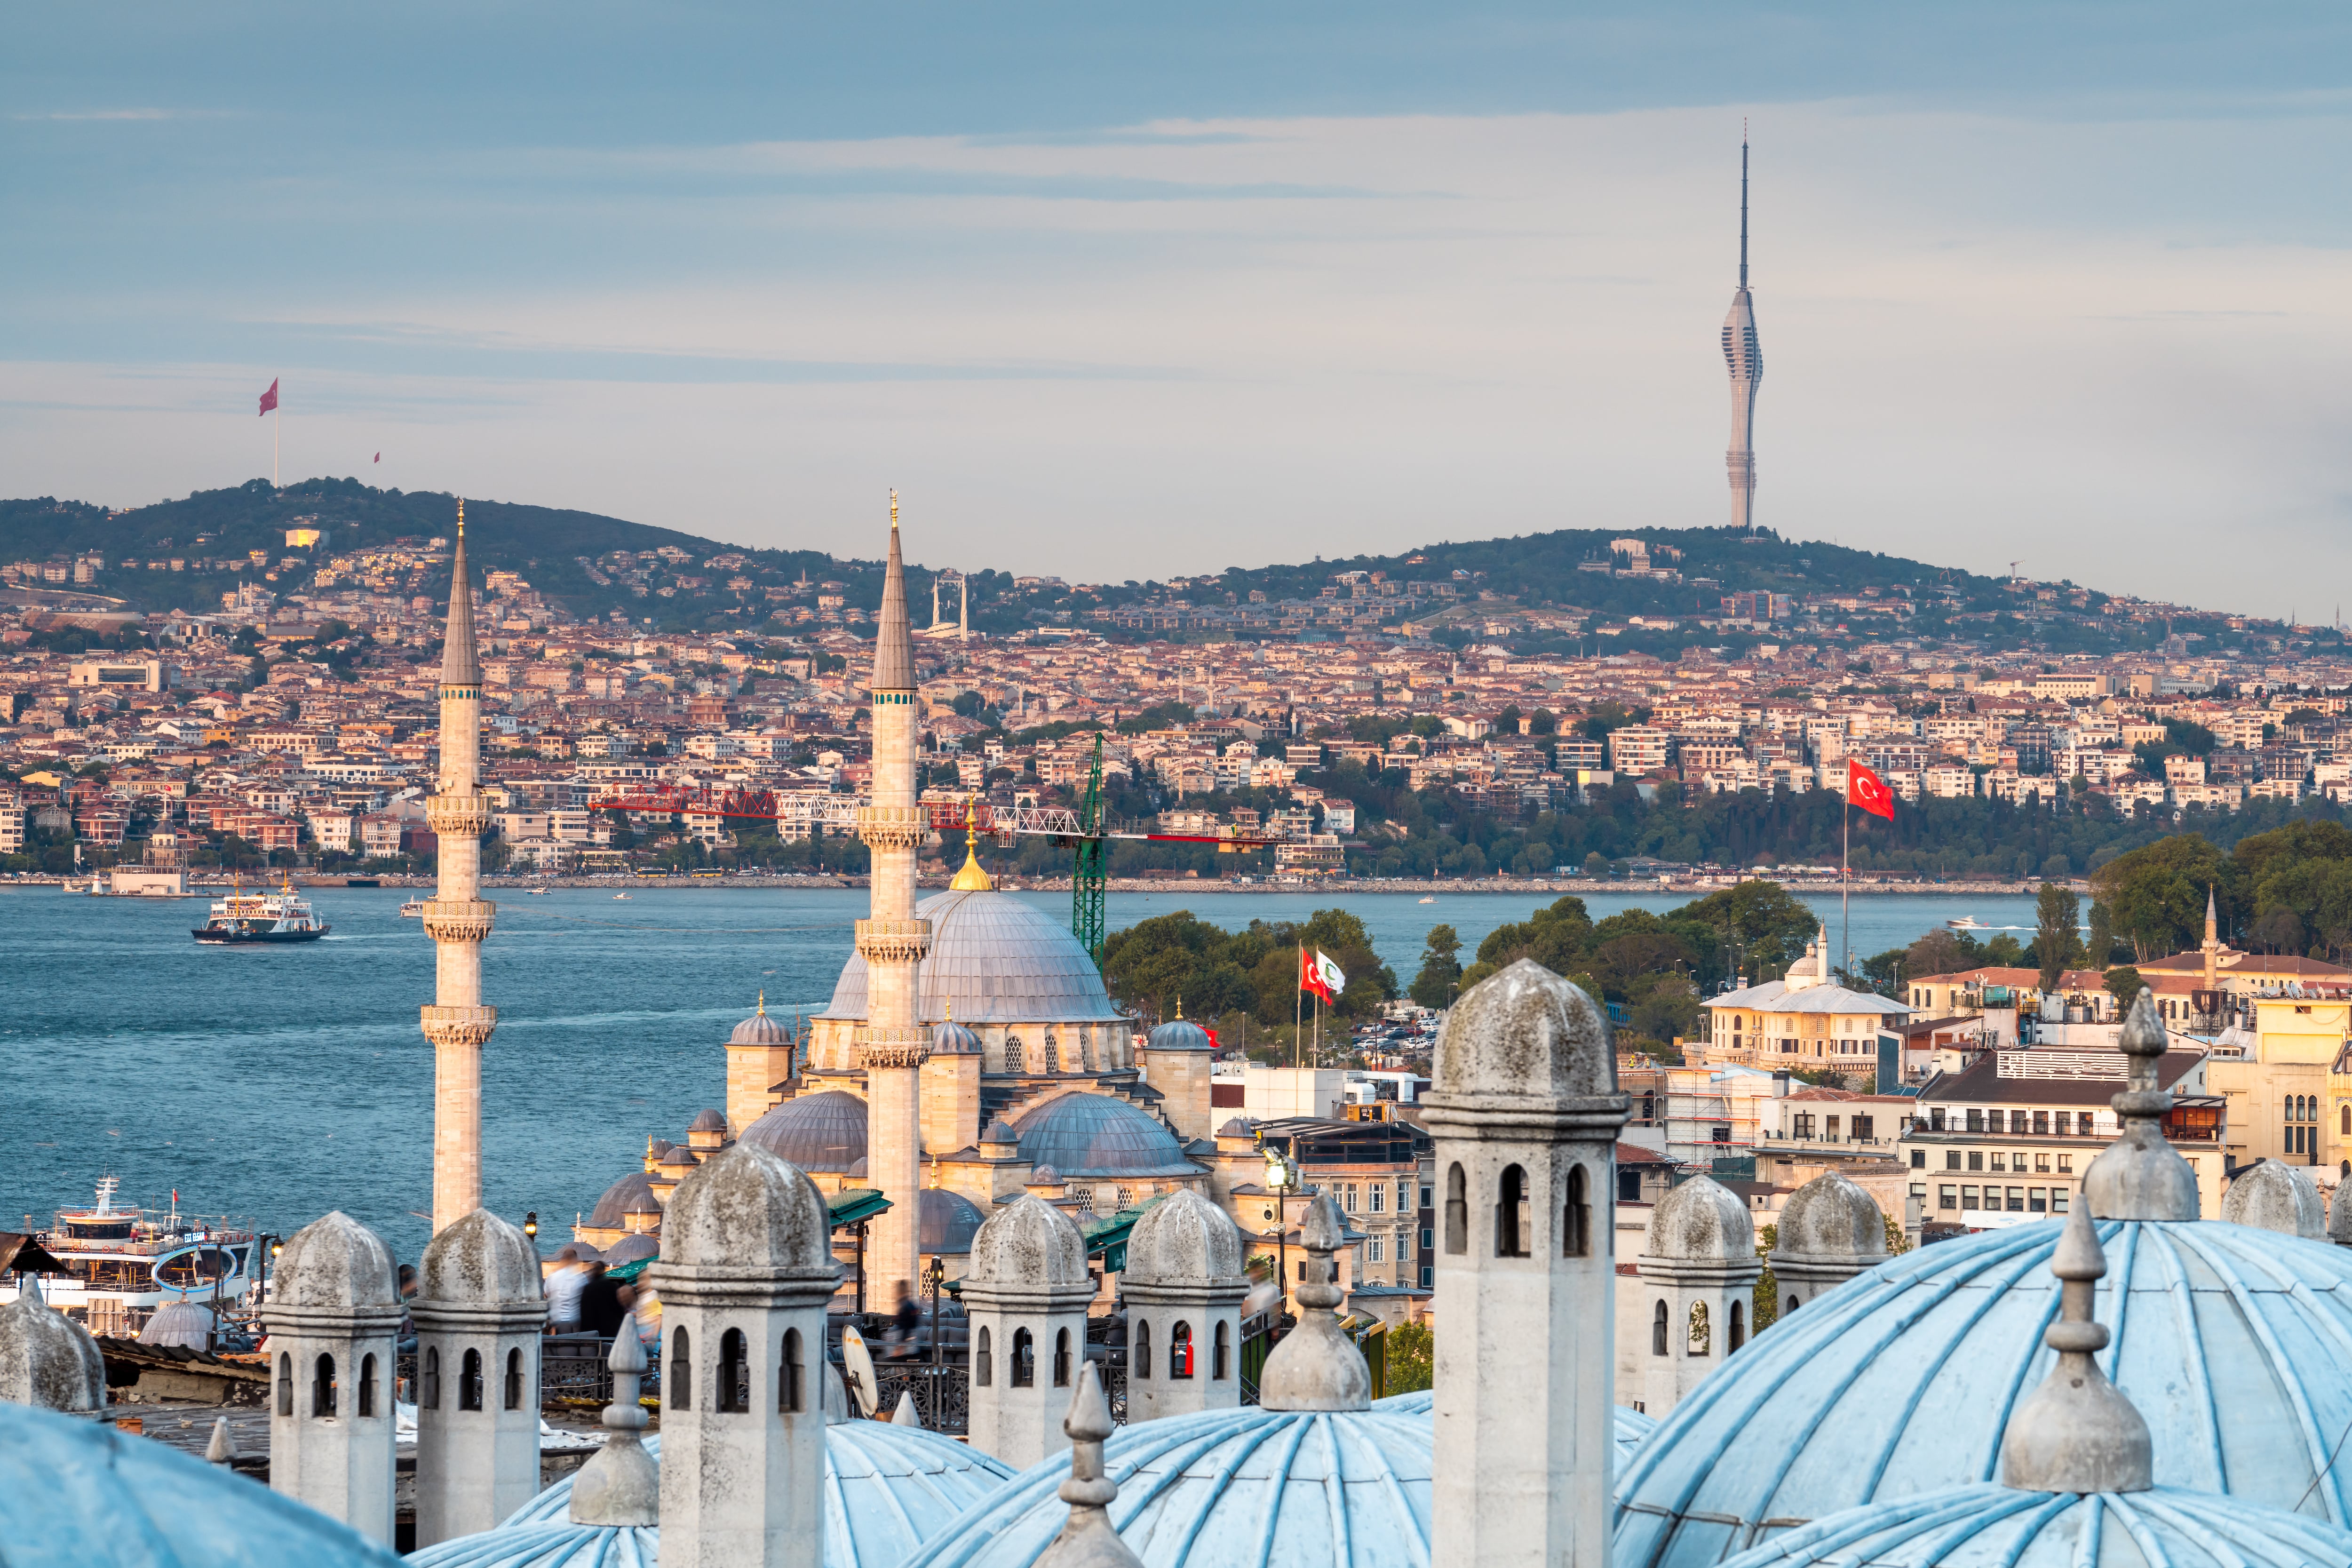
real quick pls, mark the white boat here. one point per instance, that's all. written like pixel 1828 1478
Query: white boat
pixel 120 1264
pixel 258 917
pixel 541 893
pixel 412 909
pixel 1430 898
pixel 1966 923
pixel 620 897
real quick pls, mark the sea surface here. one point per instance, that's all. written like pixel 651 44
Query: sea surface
pixel 275 1083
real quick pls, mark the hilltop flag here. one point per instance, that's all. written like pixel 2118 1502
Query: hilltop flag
pixel 270 398
pixel 379 457
pixel 1866 789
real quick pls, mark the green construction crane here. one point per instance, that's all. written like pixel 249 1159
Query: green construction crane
pixel 1087 878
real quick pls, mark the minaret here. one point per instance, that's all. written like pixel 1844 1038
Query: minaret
pixel 1747 363
pixel 892 1043
pixel 456 919
pixel 2212 949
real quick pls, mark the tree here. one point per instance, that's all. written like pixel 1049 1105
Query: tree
pixel 2055 913
pixel 1441 968
pixel 1411 1362
pixel 2103 936
pixel 1936 951
pixel 2124 983
pixel 2155 895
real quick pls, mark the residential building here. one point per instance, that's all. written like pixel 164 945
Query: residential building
pixel 2287 1083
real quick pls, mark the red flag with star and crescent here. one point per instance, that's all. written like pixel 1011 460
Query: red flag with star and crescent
pixel 1866 789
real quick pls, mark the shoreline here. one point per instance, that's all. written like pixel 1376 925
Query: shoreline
pixel 1553 886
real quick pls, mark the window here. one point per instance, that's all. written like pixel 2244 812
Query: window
pixel 322 1388
pixel 1348 1196
pixel 1220 1363
pixel 2037 1200
pixel 1976 1160
pixel 1738 1329
pixel 1919 1158
pixel 983 1365
pixel 1429 1198
pixel 2017 1200
pixel 1948 1197
pixel 1139 1354
pixel 1976 1120
pixel 2041 1162
pixel 1511 1219
pixel 1052 1055
pixel 1014 1055
pixel 1658 1332
pixel 1180 1351
pixel 1378 1193
pixel 678 1377
pixel 1801 1124
pixel 470 1382
pixel 367 1386
pixel 2057 1200
pixel 1830 1127
pixel 1062 1359
pixel 428 1392
pixel 1428 1238
pixel 285 1385
pixel 1951 1158
pixel 1375 1250
pixel 2065 1164
pixel 1936 1118
pixel 1405 1196
pixel 1998 1164
pixel 1576 1223
pixel 1863 1127
pixel 2060 1122
pixel 1969 1198
pixel 1025 1360
pixel 792 1375
pixel 1403 1246
pixel 1457 1213
pixel 1702 1333
pixel 514 1381
pixel 731 1396
pixel 2345 1116
pixel 2041 1122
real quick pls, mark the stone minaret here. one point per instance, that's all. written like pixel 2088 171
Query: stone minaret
pixel 1525 1117
pixel 1746 362
pixel 892 1043
pixel 1025 1290
pixel 333 1313
pixel 479 1316
pixel 456 919
pixel 2212 945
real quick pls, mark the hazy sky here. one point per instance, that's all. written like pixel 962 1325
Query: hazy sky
pixel 1110 293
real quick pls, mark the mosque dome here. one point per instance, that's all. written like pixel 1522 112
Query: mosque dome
pixel 611 1211
pixel 952 1039
pixel 888 1490
pixel 81 1492
pixel 815 1131
pixel 48 1359
pixel 2230 1341
pixel 1238 1127
pixel 746 1206
pixel 707 1121
pixel 1631 1426
pixel 629 1249
pixel 1701 1221
pixel 1291 1487
pixel 180 1325
pixel 947 1222
pixel 1086 1135
pixel 995 959
pixel 1180 1034
pixel 760 1030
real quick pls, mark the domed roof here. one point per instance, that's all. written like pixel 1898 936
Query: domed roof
pixel 1281 1489
pixel 629 1249
pixel 888 1490
pixel 1000 1132
pixel 746 1206
pixel 995 959
pixel 611 1211
pixel 1987 1525
pixel 1028 1242
pixel 707 1121
pixel 1525 1034
pixel 181 1324
pixel 952 1039
pixel 1831 1218
pixel 1083 1134
pixel 334 1262
pixel 1238 1127
pixel 815 1131
pixel 1702 1221
pixel 760 1030
pixel 82 1492
pixel 678 1160
pixel 1180 1034
pixel 2230 1341
pixel 948 1222
pixel 48 1359
pixel 2273 1195
pixel 480 1260
pixel 1185 1239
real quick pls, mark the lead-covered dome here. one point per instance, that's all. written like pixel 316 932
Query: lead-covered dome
pixel 1180 1034
pixel 1701 1221
pixel 1525 1035
pixel 995 959
pixel 612 1209
pixel 1028 1242
pixel 745 1206
pixel 1086 1135
pixel 815 1131
pixel 179 1325
pixel 2234 1343
pixel 1628 1427
pixel 1831 1218
pixel 947 1222
pixel 760 1030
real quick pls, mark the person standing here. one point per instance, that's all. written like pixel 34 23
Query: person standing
pixel 563 1288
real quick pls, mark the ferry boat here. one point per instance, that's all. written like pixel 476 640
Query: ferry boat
pixel 412 909
pixel 260 916
pixel 120 1264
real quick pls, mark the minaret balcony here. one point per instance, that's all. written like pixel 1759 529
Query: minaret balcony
pixel 458 920
pixel 458 1025
pixel 893 826
pixel 885 941
pixel 457 816
pixel 906 1046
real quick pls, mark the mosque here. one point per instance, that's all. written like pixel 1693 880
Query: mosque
pixel 2131 1386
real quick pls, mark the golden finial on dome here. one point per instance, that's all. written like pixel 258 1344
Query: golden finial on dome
pixel 461 517
pixel 972 878
pixel 763 1000
pixel 894 511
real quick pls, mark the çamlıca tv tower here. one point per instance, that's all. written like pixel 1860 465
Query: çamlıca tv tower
pixel 1747 363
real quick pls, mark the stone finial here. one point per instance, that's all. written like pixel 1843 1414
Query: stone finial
pixel 1525 1035
pixel 906 1414
pixel 1316 1367
pixel 1028 1242
pixel 1184 1239
pixel 2273 1195
pixel 2077 1432
pixel 1702 1221
pixel 222 1449
pixel 2339 1215
pixel 620 1485
pixel 745 1206
pixel 1087 1539
pixel 47 1359
pixel 2141 1176
pixel 335 1264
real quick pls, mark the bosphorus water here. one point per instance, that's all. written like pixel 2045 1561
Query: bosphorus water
pixel 275 1083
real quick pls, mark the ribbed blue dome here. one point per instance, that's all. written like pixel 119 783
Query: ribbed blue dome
pixel 1227 1488
pixel 2235 1344
pixel 1084 1135
pixel 1180 1034
pixel 815 1131
pixel 1993 1526
pixel 948 1222
pixel 1632 1425
pixel 995 959
pixel 83 1493
pixel 886 1489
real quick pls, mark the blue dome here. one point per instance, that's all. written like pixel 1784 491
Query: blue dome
pixel 83 1493
pixel 1993 1526
pixel 1083 1135
pixel 815 1131
pixel 1180 1034
pixel 1224 1489
pixel 2235 1344
pixel 1632 1425
pixel 948 1222
pixel 995 959
pixel 888 1490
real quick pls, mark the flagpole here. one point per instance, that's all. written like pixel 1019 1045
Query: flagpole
pixel 277 426
pixel 1298 1010
pixel 1845 884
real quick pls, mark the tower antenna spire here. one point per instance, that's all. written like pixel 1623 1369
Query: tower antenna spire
pixel 1743 201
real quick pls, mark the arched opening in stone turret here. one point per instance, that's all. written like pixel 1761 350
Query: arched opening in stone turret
pixel 514 1380
pixel 1659 1331
pixel 792 1375
pixel 428 1392
pixel 1062 1359
pixel 1738 1333
pixel 731 1395
pixel 1576 1222
pixel 367 1386
pixel 1457 1212
pixel 1180 1351
pixel 678 1377
pixel 322 1388
pixel 983 1364
pixel 1222 1357
pixel 470 1382
pixel 1025 1360
pixel 1139 1353
pixel 285 1385
pixel 1511 1219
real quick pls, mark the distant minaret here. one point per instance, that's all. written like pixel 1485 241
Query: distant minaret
pixel 2212 948
pixel 1747 363
pixel 456 919
pixel 892 1043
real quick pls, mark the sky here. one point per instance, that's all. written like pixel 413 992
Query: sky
pixel 1109 291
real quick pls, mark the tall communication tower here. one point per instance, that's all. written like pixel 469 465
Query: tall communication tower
pixel 1746 363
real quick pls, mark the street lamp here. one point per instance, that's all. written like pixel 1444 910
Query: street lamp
pixel 530 1225
pixel 935 1276
pixel 1280 1176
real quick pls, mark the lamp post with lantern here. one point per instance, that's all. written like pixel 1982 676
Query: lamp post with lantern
pixel 1281 1178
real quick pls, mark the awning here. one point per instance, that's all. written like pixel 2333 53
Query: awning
pixel 854 1205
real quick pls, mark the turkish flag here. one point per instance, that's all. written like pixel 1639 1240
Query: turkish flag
pixel 1310 977
pixel 270 398
pixel 1866 789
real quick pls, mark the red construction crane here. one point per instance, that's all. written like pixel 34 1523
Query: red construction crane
pixel 947 813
